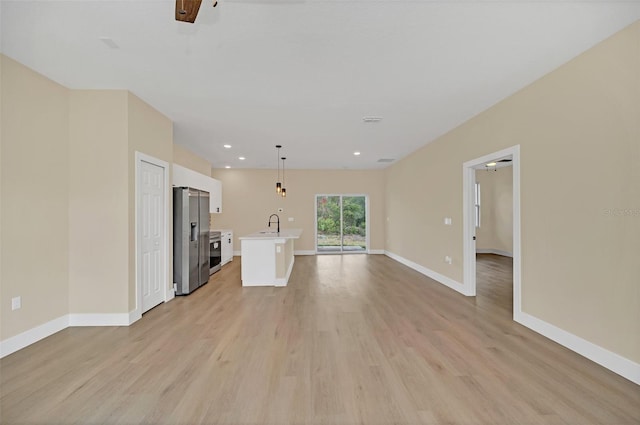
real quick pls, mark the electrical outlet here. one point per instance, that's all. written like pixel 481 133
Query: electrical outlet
pixel 16 303
pixel 447 221
pixel 448 260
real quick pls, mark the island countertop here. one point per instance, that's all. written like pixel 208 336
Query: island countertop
pixel 272 234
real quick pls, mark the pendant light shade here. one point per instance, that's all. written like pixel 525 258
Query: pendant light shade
pixel 278 184
pixel 283 191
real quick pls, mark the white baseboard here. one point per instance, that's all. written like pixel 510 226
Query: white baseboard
pixel 303 252
pixel 494 251
pixel 376 251
pixel 612 361
pixel 99 319
pixel 24 339
pixel 446 281
pixel 135 315
pixel 237 253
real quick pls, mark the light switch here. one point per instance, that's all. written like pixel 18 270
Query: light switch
pixel 291 219
pixel 16 303
pixel 447 221
pixel 278 249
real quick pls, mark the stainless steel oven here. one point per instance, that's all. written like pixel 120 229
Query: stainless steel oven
pixel 215 252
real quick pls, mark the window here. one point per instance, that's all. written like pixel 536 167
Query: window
pixel 477 203
pixel 341 223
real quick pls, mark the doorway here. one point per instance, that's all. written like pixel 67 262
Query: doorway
pixel 152 184
pixel 470 217
pixel 342 223
pixel 494 236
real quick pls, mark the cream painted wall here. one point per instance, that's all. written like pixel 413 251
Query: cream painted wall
pixel 35 197
pixel 248 198
pixel 186 158
pixel 67 173
pixel 496 210
pixel 580 230
pixel 151 133
pixel 99 202
pixel 108 127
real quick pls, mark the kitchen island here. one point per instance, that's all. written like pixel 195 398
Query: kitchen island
pixel 267 257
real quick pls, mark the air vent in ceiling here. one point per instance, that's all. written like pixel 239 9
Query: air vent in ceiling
pixel 109 42
pixel 386 160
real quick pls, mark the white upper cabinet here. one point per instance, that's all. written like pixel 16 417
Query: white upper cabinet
pixel 215 205
pixel 186 177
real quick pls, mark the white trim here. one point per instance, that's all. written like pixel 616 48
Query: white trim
pixel 168 285
pixel 295 252
pixel 376 251
pixel 494 251
pixel 304 252
pixel 33 335
pixel 468 227
pixel 99 319
pixel 134 316
pixel 440 278
pixel 612 361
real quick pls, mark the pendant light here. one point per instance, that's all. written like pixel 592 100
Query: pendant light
pixel 283 190
pixel 278 184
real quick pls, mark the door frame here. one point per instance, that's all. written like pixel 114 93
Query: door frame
pixel 140 157
pixel 469 230
pixel 315 222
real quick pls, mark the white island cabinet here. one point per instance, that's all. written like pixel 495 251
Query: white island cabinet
pixel 267 257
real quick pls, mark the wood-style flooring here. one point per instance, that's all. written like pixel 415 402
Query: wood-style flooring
pixel 353 339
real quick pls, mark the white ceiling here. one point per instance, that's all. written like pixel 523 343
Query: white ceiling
pixel 303 74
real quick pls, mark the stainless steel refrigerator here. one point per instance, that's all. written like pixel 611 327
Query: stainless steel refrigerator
pixel 190 239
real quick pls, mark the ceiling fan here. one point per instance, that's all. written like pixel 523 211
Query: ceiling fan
pixel 187 10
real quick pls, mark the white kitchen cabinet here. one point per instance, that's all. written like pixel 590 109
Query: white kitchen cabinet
pixel 227 247
pixel 216 196
pixel 186 177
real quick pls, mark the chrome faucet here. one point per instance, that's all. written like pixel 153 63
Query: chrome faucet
pixel 269 224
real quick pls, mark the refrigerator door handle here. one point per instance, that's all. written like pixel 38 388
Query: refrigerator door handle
pixel 194 231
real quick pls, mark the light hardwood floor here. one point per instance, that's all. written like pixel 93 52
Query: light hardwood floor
pixel 353 339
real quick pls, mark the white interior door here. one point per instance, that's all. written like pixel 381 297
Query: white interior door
pixel 152 234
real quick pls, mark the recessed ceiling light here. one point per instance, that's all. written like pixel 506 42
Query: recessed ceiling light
pixel 491 164
pixel 356 153
pixel 227 166
pixel 241 158
pixel 227 146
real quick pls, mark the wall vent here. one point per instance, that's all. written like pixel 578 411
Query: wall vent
pixel 386 160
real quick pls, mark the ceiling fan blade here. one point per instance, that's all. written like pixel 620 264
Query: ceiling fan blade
pixel 187 10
